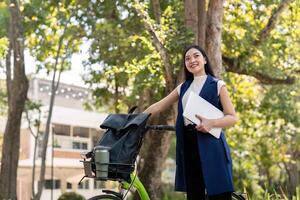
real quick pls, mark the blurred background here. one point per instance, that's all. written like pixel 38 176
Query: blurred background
pixel 65 65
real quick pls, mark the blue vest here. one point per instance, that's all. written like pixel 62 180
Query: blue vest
pixel 214 153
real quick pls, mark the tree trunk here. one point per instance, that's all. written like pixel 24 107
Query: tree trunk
pixel 17 86
pixel 154 152
pixel 54 87
pixel 159 143
pixel 207 27
pixel 201 23
pixel 191 16
pixel 294 178
pixel 293 175
pixel 36 138
pixel 34 164
pixel 213 34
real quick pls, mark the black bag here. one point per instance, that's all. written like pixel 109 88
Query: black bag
pixel 123 139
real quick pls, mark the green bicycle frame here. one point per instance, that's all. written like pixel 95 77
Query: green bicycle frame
pixel 138 185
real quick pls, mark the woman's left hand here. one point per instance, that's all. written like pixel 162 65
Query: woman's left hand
pixel 205 125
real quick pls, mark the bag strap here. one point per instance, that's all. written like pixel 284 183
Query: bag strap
pixel 132 109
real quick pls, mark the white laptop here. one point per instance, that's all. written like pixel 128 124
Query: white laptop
pixel 197 105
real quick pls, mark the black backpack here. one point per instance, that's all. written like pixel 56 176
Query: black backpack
pixel 123 139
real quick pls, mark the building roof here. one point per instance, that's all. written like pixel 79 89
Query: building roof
pixel 75 117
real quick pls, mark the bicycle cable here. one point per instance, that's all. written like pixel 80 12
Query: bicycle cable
pixel 133 178
pixel 130 185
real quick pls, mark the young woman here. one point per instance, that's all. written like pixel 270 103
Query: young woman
pixel 203 162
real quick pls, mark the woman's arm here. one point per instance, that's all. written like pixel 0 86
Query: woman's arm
pixel 229 119
pixel 163 104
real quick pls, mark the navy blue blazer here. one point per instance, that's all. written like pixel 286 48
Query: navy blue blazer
pixel 214 153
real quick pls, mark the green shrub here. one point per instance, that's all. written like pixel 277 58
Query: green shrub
pixel 71 196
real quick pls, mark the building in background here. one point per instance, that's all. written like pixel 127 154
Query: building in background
pixel 73 130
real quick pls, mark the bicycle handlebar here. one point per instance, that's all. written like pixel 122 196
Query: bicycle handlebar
pixel 161 127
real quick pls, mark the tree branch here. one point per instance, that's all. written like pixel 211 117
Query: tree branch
pixel 51 104
pixel 233 65
pixel 29 124
pixel 156 10
pixel 272 22
pixel 157 44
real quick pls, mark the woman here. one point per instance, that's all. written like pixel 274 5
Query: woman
pixel 203 162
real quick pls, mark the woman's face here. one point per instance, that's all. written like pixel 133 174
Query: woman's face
pixel 194 62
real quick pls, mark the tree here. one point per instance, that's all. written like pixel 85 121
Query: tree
pixel 146 76
pixel 206 25
pixel 270 60
pixel 4 17
pixel 211 40
pixel 17 86
pixel 139 52
pixel 52 41
pixel 33 116
pixel 159 144
pixel 259 41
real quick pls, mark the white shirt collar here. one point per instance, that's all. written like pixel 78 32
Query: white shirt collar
pixel 200 78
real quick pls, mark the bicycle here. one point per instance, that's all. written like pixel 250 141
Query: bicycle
pixel 114 172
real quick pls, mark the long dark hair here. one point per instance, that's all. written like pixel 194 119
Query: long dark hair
pixel 207 67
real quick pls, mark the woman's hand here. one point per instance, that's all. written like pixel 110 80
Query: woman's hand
pixel 205 125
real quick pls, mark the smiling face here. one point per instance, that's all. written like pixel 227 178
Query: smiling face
pixel 194 62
